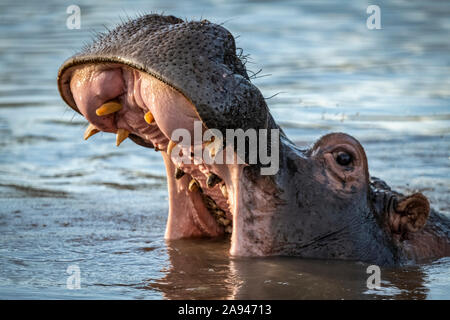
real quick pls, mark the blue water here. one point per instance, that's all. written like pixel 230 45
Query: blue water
pixel 64 201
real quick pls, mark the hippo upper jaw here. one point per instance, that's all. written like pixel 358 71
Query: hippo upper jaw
pixel 196 58
pixel 151 111
pixel 179 72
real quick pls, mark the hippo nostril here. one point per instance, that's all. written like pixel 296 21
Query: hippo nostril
pixel 343 158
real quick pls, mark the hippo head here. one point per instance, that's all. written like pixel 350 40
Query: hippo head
pixel 156 74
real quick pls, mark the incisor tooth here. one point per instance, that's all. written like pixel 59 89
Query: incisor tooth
pixel 149 117
pixel 170 147
pixel 193 185
pixel 108 108
pixel 90 131
pixel 229 229
pixel 122 134
pixel 207 143
pixel 224 190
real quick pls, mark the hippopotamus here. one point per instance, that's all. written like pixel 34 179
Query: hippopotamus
pixel 155 74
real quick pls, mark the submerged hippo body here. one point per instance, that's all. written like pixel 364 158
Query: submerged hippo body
pixel 155 74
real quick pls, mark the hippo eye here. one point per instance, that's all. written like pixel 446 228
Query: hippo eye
pixel 343 158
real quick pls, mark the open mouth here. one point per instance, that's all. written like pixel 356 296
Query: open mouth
pixel 119 99
pixel 152 76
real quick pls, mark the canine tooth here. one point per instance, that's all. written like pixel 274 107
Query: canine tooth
pixel 170 147
pixel 193 185
pixel 149 117
pixel 178 173
pixel 212 149
pixel 122 134
pixel 207 143
pixel 212 180
pixel 108 108
pixel 212 153
pixel 224 190
pixel 90 131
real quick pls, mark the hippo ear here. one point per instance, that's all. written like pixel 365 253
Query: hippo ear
pixel 410 214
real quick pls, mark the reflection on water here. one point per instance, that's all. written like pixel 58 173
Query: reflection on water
pixel 202 270
pixel 64 201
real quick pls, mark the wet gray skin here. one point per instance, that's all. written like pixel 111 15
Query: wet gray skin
pixel 322 203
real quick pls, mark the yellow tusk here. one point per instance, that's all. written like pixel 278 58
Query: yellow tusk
pixel 122 134
pixel 90 131
pixel 193 185
pixel 170 147
pixel 213 145
pixel 149 117
pixel 108 108
pixel 212 152
pixel 207 143
pixel 224 190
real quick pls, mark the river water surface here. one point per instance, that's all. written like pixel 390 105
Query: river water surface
pixel 64 201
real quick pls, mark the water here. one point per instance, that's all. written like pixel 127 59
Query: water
pixel 64 201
